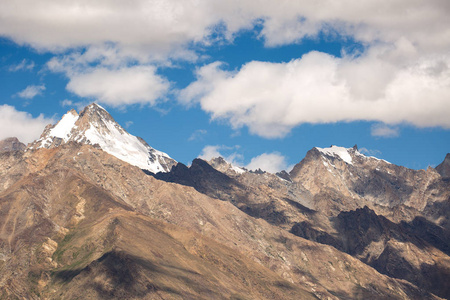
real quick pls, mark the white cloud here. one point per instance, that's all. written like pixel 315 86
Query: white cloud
pixel 230 154
pixel 209 152
pixel 21 124
pixel 31 91
pixel 405 61
pixel 78 105
pixel 141 29
pixel 269 162
pixel 116 87
pixel 141 26
pixel 66 102
pixel 383 130
pixel 24 65
pixel 272 98
pixel 197 135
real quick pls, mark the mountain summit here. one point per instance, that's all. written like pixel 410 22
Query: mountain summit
pixel 95 126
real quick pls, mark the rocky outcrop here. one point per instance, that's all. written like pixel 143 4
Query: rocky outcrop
pixel 444 168
pixel 11 144
pixel 416 251
pixel 352 182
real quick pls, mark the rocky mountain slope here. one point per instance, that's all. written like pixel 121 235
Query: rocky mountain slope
pixel 11 144
pixel 444 168
pixel 80 222
pixel 327 198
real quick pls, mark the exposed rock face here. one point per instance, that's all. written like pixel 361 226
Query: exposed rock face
pixel 77 222
pixel 444 168
pixel 357 180
pixel 416 251
pixel 95 126
pixel 11 144
pixel 204 178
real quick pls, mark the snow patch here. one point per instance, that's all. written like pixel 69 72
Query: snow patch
pixel 125 147
pixel 335 151
pixel 238 170
pixel 64 127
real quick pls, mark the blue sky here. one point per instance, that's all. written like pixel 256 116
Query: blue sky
pixel 258 82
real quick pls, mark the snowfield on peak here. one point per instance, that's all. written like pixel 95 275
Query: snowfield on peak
pixel 64 127
pixel 336 151
pixel 346 154
pixel 94 126
pixel 125 146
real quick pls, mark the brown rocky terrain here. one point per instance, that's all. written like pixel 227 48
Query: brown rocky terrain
pixel 11 144
pixel 444 168
pixel 79 218
pixel 79 223
pixel 408 210
pixel 374 239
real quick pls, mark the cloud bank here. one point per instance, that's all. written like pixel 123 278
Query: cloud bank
pixel 154 26
pixel 20 124
pixel 124 86
pixel 230 154
pixel 400 74
pixel 270 162
pixel 272 98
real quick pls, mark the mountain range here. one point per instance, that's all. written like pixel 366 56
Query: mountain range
pixel 89 211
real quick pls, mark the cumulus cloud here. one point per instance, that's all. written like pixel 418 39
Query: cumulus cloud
pixel 116 87
pixel 31 91
pixel 405 58
pixel 21 124
pixel 103 77
pixel 162 26
pixel 383 130
pixel 272 98
pixel 270 162
pixel 210 151
pixel 230 154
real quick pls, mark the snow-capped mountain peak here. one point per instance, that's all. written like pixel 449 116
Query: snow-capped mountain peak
pixel 95 126
pixel 348 155
pixel 336 151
